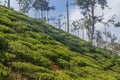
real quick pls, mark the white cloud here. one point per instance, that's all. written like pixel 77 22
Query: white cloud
pixel 75 14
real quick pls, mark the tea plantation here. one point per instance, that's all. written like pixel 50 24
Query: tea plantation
pixel 31 49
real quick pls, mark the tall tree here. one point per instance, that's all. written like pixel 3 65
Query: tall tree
pixel 107 24
pixel 67 9
pixel 111 45
pixel 24 5
pixel 99 38
pixel 37 6
pixel 86 25
pixel 9 3
pixel 76 27
pixel 88 9
pixel 48 10
pixel 42 6
pixel 79 25
pixel 5 3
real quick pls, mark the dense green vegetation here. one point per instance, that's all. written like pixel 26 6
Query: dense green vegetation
pixel 30 49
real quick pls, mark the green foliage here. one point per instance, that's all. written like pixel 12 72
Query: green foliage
pixel 6 29
pixel 6 21
pixel 34 50
pixel 44 76
pixel 28 67
pixel 63 63
pixel 3 43
pixel 3 72
pixel 85 4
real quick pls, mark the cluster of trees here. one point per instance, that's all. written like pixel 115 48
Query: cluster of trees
pixel 104 39
pixel 24 5
pixel 30 52
pixel 88 22
pixel 88 11
pixel 41 7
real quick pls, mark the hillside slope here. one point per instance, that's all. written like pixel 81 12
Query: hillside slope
pixel 33 50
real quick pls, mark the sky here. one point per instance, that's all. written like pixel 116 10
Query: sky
pixel 60 6
pixel 108 13
pixel 75 13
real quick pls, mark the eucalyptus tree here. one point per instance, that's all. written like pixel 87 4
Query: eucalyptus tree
pixel 9 3
pixel 24 5
pixel 107 24
pixel 117 48
pixel 5 3
pixel 99 38
pixel 37 6
pixel 83 24
pixel 86 25
pixel 48 10
pixel 67 9
pixel 20 2
pixel 112 39
pixel 60 21
pixel 79 25
pixel 88 9
pixel 76 27
pixel 42 6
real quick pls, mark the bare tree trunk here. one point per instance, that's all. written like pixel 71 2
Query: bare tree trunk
pixel 35 13
pixel 19 7
pixel 65 26
pixel 44 17
pixel 83 34
pixel 106 37
pixel 47 16
pixel 97 42
pixel 93 21
pixel 78 33
pixel 41 14
pixel 9 3
pixel 67 7
pixel 59 23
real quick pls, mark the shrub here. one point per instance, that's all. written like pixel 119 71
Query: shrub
pixel 63 63
pixel 44 76
pixel 28 67
pixel 6 21
pixel 6 29
pixel 3 72
pixel 3 43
